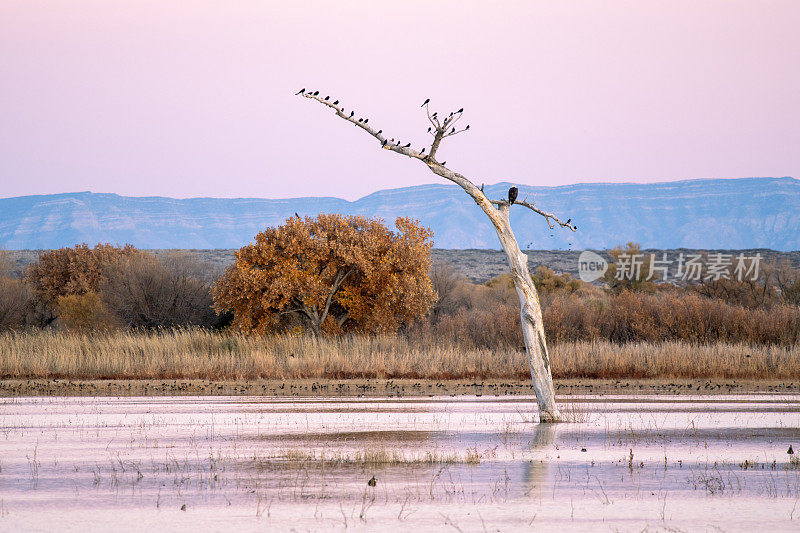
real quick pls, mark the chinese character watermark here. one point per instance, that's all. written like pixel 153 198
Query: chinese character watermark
pixel 687 267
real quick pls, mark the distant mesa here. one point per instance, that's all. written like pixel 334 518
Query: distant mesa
pixel 709 213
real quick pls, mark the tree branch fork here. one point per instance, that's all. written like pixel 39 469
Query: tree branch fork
pixel 440 129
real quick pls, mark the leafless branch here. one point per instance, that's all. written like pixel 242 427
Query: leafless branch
pixel 439 133
pixel 547 216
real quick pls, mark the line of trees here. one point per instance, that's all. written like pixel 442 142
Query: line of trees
pixel 333 275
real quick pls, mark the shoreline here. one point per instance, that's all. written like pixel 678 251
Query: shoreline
pixel 391 388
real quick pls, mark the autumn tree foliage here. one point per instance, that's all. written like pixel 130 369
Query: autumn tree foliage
pixel 100 288
pixel 330 274
pixel 74 271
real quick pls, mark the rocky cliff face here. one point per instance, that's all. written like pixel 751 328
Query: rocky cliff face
pixel 737 213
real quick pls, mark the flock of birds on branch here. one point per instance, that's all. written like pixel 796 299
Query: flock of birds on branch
pixel 438 129
pixel 441 126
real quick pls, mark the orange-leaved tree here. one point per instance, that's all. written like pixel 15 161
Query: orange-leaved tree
pixel 330 274
pixel 74 271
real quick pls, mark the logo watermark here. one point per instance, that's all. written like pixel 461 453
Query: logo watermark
pixel 679 267
pixel 591 266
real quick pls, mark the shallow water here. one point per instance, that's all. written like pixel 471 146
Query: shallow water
pixel 472 464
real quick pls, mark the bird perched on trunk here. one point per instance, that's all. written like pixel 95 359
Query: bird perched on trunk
pixel 372 482
pixel 512 194
pixel 790 451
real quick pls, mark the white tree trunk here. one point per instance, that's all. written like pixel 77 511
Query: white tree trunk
pixel 530 310
pixel 532 323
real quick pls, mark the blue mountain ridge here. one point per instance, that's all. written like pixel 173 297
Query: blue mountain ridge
pixel 702 214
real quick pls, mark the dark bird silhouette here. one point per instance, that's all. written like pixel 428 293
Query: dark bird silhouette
pixel 454 129
pixel 512 194
pixel 336 102
pixel 380 131
pixel 434 114
pixel 423 151
pixel 408 145
pixel 444 163
pixel 425 102
pixel 298 216
pixel 429 129
pixel 352 113
pixel 301 91
pixel 790 451
pixel 568 220
pixel 360 119
pixel 316 93
pixel 460 110
pixel 383 143
pixel 372 482
pixel 327 98
pixel 467 127
pixel 366 120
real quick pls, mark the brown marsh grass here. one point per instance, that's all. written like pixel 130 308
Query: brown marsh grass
pixel 198 354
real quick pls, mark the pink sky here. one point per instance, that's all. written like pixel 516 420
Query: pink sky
pixel 185 99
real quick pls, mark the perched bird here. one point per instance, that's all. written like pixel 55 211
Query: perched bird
pixel 360 119
pixel 301 91
pixel 408 145
pixel 327 98
pixel 434 114
pixel 352 113
pixel 425 102
pixel 336 102
pixel 460 110
pixel 790 451
pixel 372 482
pixel 316 93
pixel 467 127
pixel 512 194
pixel 429 129
pixel 380 131
pixel 569 220
pixel 383 143
pixel 444 163
pixel 423 151
pixel 454 129
pixel 298 216
pixel 366 120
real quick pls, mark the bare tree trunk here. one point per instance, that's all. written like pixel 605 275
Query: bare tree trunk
pixel 530 309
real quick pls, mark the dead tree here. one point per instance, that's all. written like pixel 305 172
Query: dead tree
pixel 498 213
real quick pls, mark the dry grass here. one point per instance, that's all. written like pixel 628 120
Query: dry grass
pixel 197 354
pixel 379 457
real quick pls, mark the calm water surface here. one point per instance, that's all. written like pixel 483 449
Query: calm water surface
pixel 624 463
